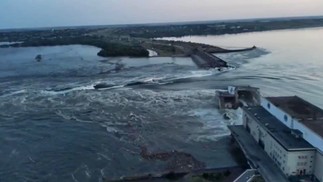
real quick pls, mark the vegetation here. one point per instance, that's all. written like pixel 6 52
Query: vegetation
pixel 217 28
pixel 258 179
pixel 115 50
pixel 208 177
pixel 134 40
pixel 109 49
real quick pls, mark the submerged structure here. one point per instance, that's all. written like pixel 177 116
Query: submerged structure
pixel 286 132
pixel 38 58
pixel 236 96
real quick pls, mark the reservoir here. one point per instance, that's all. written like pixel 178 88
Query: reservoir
pixel 287 62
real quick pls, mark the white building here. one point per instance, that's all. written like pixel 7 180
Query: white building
pixel 300 115
pixel 291 153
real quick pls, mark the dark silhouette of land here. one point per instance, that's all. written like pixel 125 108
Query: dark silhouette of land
pixel 134 40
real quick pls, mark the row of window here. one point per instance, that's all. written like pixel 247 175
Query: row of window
pixel 302 163
pixel 302 157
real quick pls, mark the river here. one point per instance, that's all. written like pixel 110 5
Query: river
pixel 54 126
pixel 287 62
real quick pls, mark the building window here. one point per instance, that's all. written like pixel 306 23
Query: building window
pixel 302 163
pixel 285 117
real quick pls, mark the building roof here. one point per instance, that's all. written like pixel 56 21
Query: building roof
pixel 306 113
pixel 281 133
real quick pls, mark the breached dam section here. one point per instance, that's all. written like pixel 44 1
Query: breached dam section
pixel 206 60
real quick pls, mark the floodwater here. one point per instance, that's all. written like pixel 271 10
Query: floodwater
pixel 54 126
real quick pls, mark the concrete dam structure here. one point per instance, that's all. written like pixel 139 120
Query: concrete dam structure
pixel 206 60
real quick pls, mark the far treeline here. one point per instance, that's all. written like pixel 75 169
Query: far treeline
pixel 218 28
pixel 134 40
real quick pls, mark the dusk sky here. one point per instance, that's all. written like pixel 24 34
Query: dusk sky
pixel 47 13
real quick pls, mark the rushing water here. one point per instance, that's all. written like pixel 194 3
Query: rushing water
pixel 54 126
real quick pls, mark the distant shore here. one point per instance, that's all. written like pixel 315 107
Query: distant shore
pixel 133 48
pixel 136 40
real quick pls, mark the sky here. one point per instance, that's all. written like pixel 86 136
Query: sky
pixel 49 13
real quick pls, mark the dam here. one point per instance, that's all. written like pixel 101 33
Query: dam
pixel 206 60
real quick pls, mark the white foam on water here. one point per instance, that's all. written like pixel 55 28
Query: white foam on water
pixel 174 77
pixel 199 73
pixel 9 43
pixel 203 73
pixel 14 93
pixel 153 79
pixel 152 53
pixel 104 156
pixel 80 88
pixel 113 87
pixel 109 128
pixel 64 116
pixel 214 124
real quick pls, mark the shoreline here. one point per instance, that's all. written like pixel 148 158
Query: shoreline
pixel 158 48
pixel 134 41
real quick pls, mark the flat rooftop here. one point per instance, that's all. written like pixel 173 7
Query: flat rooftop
pixel 281 133
pixel 305 112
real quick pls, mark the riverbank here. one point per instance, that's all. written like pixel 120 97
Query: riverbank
pixel 108 48
pixel 133 41
pixel 132 47
pixel 208 175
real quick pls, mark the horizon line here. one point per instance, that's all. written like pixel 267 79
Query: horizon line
pixel 159 23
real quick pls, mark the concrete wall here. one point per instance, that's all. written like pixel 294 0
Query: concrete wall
pixel 278 113
pixel 310 136
pixel 318 171
pixel 279 155
pixel 256 131
pixel 299 161
pixel 271 146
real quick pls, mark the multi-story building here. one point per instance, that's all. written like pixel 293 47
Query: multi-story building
pixel 290 131
pixel 292 154
pixel 298 114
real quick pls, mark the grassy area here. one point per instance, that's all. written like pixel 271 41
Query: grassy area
pixel 258 179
